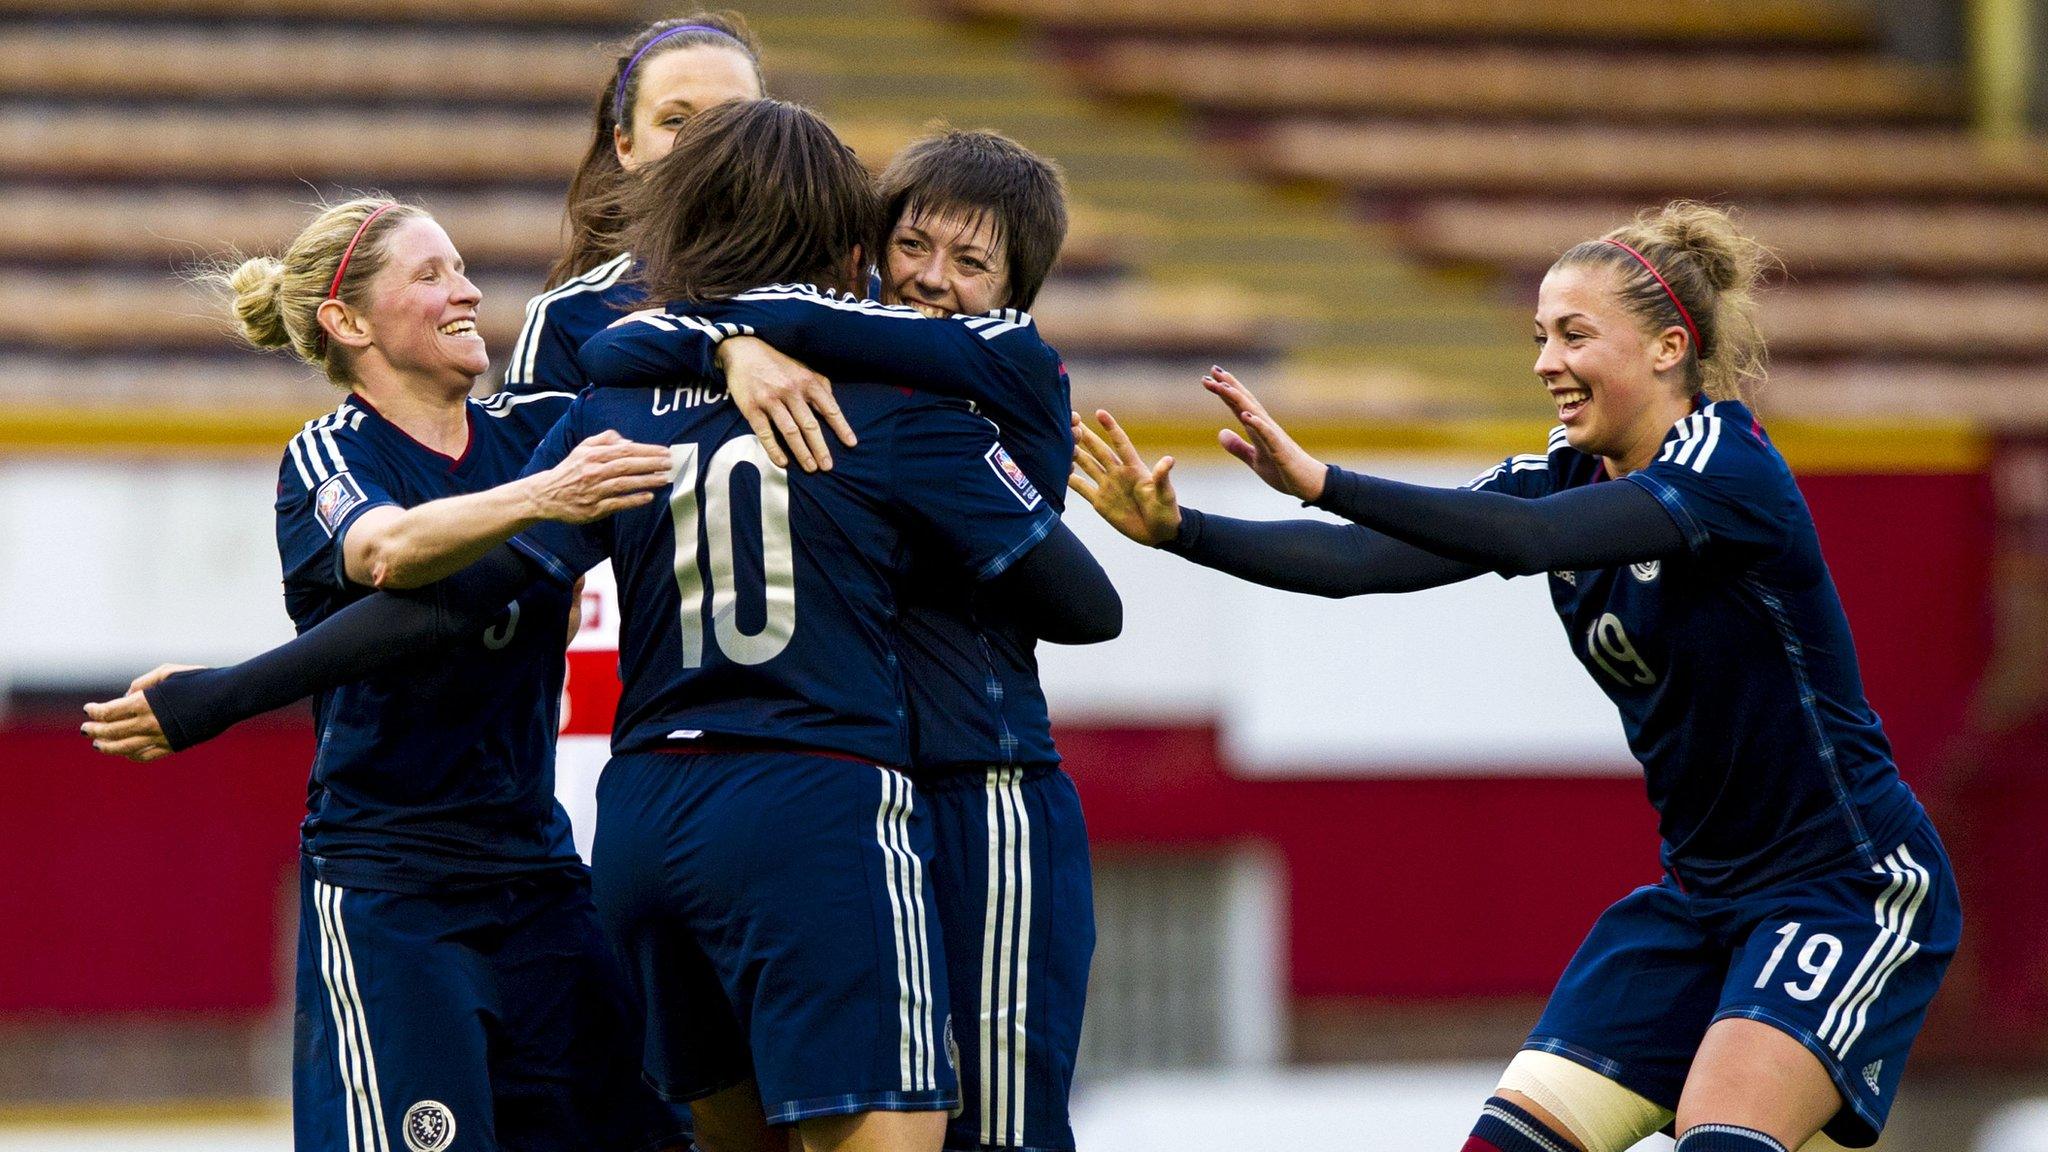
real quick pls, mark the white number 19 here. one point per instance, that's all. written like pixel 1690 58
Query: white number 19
pixel 778 557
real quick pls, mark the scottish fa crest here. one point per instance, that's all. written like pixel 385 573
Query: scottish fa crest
pixel 1645 572
pixel 429 1126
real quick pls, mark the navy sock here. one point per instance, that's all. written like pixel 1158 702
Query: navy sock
pixel 1726 1138
pixel 1503 1127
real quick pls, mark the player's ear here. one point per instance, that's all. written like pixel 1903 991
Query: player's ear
pixel 343 324
pixel 622 145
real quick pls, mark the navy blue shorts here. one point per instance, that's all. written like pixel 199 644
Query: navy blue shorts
pixel 486 1019
pixel 1846 963
pixel 775 912
pixel 1017 902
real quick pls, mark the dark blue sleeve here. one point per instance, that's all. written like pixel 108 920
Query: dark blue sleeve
pixel 996 360
pixel 375 634
pixel 1593 526
pixel 328 479
pixel 1313 557
pixel 1725 486
pixel 564 551
pixel 544 357
pixel 652 349
pixel 951 474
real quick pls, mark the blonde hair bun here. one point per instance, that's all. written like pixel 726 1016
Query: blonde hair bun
pixel 256 283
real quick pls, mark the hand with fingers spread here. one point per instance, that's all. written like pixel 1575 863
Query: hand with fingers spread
pixel 783 400
pixel 606 473
pixel 128 727
pixel 1265 447
pixel 1134 497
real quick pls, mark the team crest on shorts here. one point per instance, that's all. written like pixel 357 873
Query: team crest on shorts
pixel 336 499
pixel 429 1126
pixel 1646 571
pixel 1014 476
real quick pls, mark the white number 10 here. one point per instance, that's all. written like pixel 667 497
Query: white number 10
pixel 778 558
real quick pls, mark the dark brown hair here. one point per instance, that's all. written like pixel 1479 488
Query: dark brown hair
pixel 985 174
pixel 1713 267
pixel 590 221
pixel 754 192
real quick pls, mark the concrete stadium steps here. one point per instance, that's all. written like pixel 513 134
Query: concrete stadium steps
pixel 1329 289
pixel 299 66
pixel 97 313
pixel 210 145
pixel 167 228
pixel 1805 22
pixel 125 159
pixel 398 12
pixel 1402 157
pixel 497 231
pixel 1857 239
pixel 1513 82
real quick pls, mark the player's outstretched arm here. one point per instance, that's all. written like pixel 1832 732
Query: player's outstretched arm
pixel 1596 526
pixel 1292 555
pixel 376 634
pixel 393 547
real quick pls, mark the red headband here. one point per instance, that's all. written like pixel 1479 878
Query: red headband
pixel 1698 348
pixel 334 289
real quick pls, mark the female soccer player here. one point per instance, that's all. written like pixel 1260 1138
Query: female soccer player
pixel 451 975
pixel 1769 988
pixel 668 73
pixel 757 611
pixel 977 222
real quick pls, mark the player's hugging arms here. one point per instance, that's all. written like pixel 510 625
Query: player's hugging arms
pixel 1804 886
pixel 433 854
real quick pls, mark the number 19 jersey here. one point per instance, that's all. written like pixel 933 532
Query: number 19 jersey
pixel 1731 663
pixel 759 605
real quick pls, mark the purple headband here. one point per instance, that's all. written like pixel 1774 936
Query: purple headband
pixel 626 73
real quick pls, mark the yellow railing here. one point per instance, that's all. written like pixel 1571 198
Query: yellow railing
pixel 1877 446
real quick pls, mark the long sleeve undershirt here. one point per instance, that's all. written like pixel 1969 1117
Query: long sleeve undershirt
pixel 1407 537
pixel 1057 587
pixel 1595 526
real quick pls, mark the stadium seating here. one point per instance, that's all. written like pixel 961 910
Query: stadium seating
pixel 1514 81
pixel 1811 22
pixel 1215 151
pixel 1483 139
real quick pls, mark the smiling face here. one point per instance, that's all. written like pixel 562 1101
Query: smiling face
pixel 946 262
pixel 673 86
pixel 421 318
pixel 1617 388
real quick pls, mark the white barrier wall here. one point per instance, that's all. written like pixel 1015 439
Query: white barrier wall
pixel 109 568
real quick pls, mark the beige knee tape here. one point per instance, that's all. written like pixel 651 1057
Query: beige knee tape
pixel 1820 1143
pixel 1600 1115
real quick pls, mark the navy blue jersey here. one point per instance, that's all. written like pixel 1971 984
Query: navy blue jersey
pixel 440 774
pixel 970 671
pixel 560 319
pixel 1731 663
pixel 759 604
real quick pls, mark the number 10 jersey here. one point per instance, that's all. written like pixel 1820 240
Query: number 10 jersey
pixel 758 604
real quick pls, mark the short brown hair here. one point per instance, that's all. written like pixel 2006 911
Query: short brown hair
pixel 976 174
pixel 754 192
